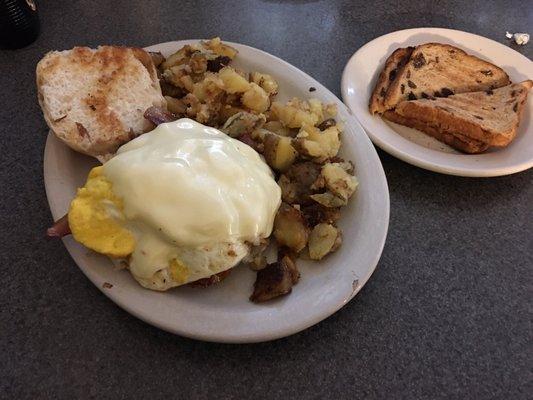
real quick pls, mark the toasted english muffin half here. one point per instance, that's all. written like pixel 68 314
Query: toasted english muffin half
pixel 94 99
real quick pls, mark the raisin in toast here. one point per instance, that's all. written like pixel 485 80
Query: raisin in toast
pixel 440 70
pixel 470 122
pixel 393 64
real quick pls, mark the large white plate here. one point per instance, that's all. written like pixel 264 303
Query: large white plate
pixel 412 146
pixel 223 313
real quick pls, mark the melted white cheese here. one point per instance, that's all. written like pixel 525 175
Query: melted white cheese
pixel 188 186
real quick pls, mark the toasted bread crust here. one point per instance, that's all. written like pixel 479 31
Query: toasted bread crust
pixel 490 117
pixel 94 100
pixel 393 65
pixel 436 69
pixel 455 140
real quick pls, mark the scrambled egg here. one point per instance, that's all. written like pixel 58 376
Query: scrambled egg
pixel 95 215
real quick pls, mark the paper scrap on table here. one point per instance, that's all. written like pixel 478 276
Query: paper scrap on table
pixel 520 38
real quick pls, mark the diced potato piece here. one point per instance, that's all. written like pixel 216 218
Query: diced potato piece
pixel 267 83
pixel 278 128
pixel 187 83
pixel 322 241
pixel 174 74
pixel 291 116
pixel 338 181
pixel 241 123
pixel 228 111
pixel 290 228
pixel 220 48
pixel 316 213
pixel 157 58
pixel 255 98
pixel 257 263
pixel 233 82
pixel 198 62
pixel 330 110
pixel 289 190
pixel 208 88
pixel 326 143
pixel 296 182
pixel 316 109
pixel 279 153
pixel 275 280
pixel 176 106
pixel 179 57
pixel 308 148
pixel 169 89
pixel 328 199
pixel 327 123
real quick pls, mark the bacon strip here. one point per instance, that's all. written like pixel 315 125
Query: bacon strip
pixel 157 115
pixel 60 228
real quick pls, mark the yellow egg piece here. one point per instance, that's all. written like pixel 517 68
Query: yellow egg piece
pixel 178 271
pixel 94 217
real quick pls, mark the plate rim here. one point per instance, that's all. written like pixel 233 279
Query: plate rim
pixel 406 155
pixel 274 333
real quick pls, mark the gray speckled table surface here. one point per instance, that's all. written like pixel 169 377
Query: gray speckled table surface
pixel 447 314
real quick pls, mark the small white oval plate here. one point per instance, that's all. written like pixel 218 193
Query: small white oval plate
pixel 223 313
pixel 417 148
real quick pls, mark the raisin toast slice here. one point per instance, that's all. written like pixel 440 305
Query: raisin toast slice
pixel 455 140
pixel 440 70
pixel 393 64
pixel 488 117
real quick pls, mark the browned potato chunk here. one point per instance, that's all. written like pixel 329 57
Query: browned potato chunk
pixel 257 263
pixel 168 89
pixel 256 259
pixel 328 123
pixel 279 153
pixel 290 229
pixel 316 213
pixel 209 89
pixel 255 98
pixel 198 62
pixel 267 83
pixel 227 111
pixel 289 190
pixel 278 128
pixel 241 123
pixel 233 82
pixel 275 280
pixel 309 149
pixel 176 75
pixel 219 48
pixel 317 144
pixel 176 106
pixel 322 240
pixel 157 58
pixel 329 200
pixel 292 116
pixel 297 181
pixel 338 181
pixel 179 57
